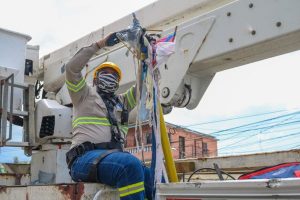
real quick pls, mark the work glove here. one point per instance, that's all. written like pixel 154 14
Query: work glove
pixel 110 40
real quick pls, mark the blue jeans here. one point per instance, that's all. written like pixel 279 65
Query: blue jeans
pixel 119 169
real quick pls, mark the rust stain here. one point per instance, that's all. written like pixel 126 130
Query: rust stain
pixel 72 192
pixel 2 189
pixel 79 189
pixel 185 167
pixel 202 159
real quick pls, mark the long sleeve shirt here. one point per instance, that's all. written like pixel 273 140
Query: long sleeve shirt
pixel 90 119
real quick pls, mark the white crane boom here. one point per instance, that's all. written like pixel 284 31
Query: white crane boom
pixel 212 36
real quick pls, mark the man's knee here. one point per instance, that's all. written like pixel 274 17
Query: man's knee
pixel 133 167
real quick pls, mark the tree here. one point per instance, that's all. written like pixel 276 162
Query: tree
pixel 16 160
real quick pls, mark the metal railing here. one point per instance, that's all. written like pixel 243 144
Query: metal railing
pixel 4 108
pixel 134 150
pixel 7 113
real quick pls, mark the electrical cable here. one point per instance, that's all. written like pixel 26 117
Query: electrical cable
pixel 269 149
pixel 270 139
pixel 279 131
pixel 254 129
pixel 255 123
pixel 230 119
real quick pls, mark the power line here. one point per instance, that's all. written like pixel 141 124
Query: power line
pixel 264 133
pixel 234 118
pixel 278 124
pixel 270 139
pixel 234 134
pixel 269 148
pixel 281 145
pixel 255 123
pixel 295 128
pixel 254 129
pixel 232 145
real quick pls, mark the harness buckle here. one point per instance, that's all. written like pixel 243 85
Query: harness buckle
pixel 116 134
pixel 80 149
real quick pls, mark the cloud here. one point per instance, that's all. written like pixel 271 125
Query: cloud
pixel 53 23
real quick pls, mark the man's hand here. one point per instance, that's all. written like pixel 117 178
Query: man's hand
pixel 110 40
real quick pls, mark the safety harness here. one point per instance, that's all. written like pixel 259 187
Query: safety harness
pixel 115 145
pixel 111 101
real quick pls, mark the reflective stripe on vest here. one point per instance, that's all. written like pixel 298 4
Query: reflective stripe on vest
pixel 131 189
pixel 91 120
pixel 130 98
pixel 76 87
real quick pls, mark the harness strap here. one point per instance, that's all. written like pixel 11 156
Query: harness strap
pixel 110 102
pixel 93 172
pixel 80 149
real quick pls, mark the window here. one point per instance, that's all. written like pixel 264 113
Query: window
pixel 149 138
pixel 170 137
pixel 172 131
pixel 204 149
pixel 181 147
pixel 28 67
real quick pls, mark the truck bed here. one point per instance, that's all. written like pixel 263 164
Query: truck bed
pixel 206 190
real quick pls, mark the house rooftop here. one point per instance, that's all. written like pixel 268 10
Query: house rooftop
pixel 179 127
pixel 190 130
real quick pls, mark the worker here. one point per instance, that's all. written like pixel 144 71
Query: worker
pixel 99 117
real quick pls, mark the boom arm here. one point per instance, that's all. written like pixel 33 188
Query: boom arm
pixel 207 41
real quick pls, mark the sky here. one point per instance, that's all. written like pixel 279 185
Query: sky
pixel 265 86
pixel 53 23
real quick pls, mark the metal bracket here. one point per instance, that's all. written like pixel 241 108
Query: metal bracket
pixel 216 166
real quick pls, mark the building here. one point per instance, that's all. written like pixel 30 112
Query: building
pixel 185 143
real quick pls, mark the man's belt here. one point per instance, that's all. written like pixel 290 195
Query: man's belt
pixel 80 149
